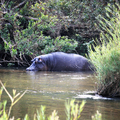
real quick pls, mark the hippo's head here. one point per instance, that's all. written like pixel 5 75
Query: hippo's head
pixel 37 64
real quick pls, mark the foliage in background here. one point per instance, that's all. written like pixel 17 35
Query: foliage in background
pixel 32 41
pixel 106 57
pixel 33 27
pixel 73 109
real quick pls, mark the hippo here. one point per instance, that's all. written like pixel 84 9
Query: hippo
pixel 60 61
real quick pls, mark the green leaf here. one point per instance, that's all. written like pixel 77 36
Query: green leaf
pixel 26 117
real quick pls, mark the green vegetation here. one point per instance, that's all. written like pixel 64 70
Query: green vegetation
pixel 97 116
pixel 43 44
pixel 14 99
pixel 73 109
pixel 106 55
pixel 30 28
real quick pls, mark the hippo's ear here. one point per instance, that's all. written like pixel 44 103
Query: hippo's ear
pixel 40 59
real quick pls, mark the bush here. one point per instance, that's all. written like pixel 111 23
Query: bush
pixel 40 35
pixel 27 28
pixel 106 57
pixel 35 43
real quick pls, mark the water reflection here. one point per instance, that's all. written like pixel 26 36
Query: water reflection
pixel 52 89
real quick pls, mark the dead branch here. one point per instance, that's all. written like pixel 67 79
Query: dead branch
pixel 19 62
pixel 29 18
pixel 17 6
pixel 6 42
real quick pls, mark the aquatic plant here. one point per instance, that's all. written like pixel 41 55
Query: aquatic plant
pixel 97 116
pixel 14 99
pixel 73 109
pixel 106 54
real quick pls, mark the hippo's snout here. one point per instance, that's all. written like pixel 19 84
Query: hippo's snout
pixel 28 69
pixel 32 67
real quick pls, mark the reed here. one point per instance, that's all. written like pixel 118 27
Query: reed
pixel 14 99
pixel 106 55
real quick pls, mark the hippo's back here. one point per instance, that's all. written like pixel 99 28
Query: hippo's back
pixel 69 62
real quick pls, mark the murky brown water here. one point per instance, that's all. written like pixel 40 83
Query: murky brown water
pixel 52 89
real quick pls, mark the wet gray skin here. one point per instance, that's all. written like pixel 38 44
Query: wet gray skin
pixel 59 61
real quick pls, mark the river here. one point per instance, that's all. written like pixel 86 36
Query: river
pixel 52 89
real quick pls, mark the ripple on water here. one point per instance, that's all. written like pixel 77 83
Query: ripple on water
pixel 79 78
pixel 92 95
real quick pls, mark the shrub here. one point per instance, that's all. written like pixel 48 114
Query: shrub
pixel 23 24
pixel 106 57
pixel 35 43
pixel 34 40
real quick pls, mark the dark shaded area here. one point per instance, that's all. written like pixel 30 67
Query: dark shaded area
pixel 111 88
pixel 7 60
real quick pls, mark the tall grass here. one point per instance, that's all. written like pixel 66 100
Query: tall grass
pixel 106 55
